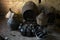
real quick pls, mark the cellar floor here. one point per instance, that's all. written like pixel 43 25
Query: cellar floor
pixel 15 35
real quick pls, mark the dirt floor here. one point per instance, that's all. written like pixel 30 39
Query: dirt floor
pixel 15 35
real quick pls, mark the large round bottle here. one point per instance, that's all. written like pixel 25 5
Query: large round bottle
pixel 30 11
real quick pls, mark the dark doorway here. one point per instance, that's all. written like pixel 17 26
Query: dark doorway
pixel 39 1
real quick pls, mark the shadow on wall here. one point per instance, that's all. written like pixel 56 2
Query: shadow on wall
pixel 2 11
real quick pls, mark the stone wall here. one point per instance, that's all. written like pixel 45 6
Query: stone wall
pixel 54 3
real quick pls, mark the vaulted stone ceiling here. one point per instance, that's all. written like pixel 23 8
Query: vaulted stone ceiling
pixel 6 4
